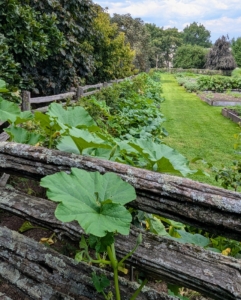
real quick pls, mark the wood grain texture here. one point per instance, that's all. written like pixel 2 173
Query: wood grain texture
pixel 210 273
pixel 213 209
pixel 43 273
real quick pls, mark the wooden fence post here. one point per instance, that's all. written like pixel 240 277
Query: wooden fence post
pixel 80 92
pixel 26 101
pixel 105 84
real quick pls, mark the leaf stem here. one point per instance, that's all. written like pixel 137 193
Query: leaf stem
pixel 114 264
pixel 131 252
pixel 137 292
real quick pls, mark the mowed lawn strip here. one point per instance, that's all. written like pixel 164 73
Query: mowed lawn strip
pixel 197 129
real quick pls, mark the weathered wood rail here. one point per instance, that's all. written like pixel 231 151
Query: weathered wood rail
pixel 213 209
pixel 76 93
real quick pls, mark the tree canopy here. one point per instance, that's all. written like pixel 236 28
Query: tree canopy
pixel 113 55
pixel 189 56
pixel 236 50
pixel 138 37
pixel 164 43
pixel 220 56
pixel 197 34
pixel 56 44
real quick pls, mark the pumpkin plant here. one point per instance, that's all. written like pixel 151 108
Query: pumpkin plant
pixel 97 202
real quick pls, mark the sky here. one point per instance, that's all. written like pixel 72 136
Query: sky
pixel 220 17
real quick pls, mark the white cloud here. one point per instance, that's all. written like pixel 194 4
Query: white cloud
pixel 220 17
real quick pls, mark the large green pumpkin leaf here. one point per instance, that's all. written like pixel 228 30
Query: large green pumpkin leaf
pixel 166 158
pixel 196 239
pixel 80 139
pixel 8 111
pixel 72 116
pixel 94 200
pixel 47 123
pixel 21 135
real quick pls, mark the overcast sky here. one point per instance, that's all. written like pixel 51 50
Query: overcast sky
pixel 220 17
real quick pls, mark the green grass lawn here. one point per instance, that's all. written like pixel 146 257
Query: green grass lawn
pixel 197 129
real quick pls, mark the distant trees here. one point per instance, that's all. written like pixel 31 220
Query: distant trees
pixel 236 50
pixel 164 43
pixel 113 55
pixel 197 34
pixel 190 56
pixel 138 37
pixel 220 56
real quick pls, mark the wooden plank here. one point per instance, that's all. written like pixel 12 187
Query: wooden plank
pixel 208 272
pixel 43 273
pixel 4 179
pixel 211 208
pixel 87 87
pixel 4 137
pixel 90 93
pixel 52 98
pixel 26 101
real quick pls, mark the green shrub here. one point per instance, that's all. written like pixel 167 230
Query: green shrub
pixel 236 72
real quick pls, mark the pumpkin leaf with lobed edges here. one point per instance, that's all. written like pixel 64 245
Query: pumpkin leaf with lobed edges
pixel 94 200
pixel 22 136
pixel 71 116
pixel 166 159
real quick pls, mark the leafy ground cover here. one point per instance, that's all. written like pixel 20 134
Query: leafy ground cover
pixel 196 129
pixel 216 83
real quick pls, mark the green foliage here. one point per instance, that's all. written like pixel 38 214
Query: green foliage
pixel 113 55
pixel 236 72
pixel 236 50
pixel 64 130
pixel 54 45
pixel 30 37
pixel 97 203
pixel 220 56
pixel 129 109
pixel 9 69
pixel 137 36
pixel 99 209
pixel 197 34
pixel 218 83
pixel 189 56
pixel 230 177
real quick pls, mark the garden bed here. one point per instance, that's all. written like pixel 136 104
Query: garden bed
pixel 220 99
pixel 231 114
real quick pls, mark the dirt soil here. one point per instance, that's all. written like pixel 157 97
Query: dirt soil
pixel 219 97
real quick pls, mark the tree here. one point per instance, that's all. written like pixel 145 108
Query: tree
pixel 29 37
pixel 236 50
pixel 138 37
pixel 197 34
pixel 163 44
pixel 74 60
pixel 188 56
pixel 171 40
pixel 220 56
pixel 113 55
pixel 156 53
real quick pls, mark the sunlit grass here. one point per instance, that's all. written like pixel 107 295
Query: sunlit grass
pixel 197 129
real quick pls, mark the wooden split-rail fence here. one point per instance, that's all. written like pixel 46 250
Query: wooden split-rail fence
pixel 74 94
pixel 42 273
